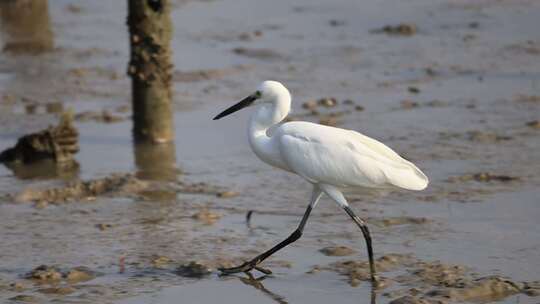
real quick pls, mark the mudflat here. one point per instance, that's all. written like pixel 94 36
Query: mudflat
pixel 451 85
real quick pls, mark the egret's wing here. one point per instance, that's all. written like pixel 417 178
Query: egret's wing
pixel 345 158
pixel 398 171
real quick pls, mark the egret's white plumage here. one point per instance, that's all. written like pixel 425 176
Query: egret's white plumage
pixel 329 158
pixel 323 154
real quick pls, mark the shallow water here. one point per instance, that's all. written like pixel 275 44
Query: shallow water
pixel 479 72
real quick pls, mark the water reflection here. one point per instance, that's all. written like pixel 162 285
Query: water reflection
pixel 257 283
pixel 157 163
pixel 26 26
pixel 45 169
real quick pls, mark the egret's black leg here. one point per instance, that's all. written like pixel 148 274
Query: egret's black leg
pixel 250 265
pixel 365 231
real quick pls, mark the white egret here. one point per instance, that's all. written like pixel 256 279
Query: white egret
pixel 327 157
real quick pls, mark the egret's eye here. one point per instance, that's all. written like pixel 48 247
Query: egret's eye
pixel 258 94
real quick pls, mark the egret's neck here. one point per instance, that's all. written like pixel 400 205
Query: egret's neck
pixel 267 116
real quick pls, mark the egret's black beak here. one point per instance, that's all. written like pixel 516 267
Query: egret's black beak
pixel 246 102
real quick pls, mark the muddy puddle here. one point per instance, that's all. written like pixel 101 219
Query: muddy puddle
pixel 452 85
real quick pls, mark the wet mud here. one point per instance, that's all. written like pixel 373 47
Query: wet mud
pixel 456 92
pixel 83 190
pixel 405 279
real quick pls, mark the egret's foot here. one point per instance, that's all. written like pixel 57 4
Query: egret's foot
pixel 245 267
pixel 376 281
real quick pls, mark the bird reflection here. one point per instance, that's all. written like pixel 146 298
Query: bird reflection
pixel 257 283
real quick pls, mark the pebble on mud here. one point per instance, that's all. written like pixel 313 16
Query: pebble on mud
pixel 402 220
pixel 484 177
pixel 409 104
pixel 327 102
pixel 193 270
pixel 335 22
pixel 103 226
pixel 337 251
pixel 402 29
pixel 533 124
pixel 314 269
pixel 44 273
pixel 436 103
pixel 79 274
pixel 413 90
pixel 431 72
pixel 159 261
pixel 206 216
pixel 227 194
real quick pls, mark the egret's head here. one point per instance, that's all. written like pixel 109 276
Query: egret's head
pixel 269 91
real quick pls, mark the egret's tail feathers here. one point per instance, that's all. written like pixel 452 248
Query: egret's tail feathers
pixel 407 177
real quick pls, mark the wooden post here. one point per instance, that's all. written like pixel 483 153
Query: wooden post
pixel 150 68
